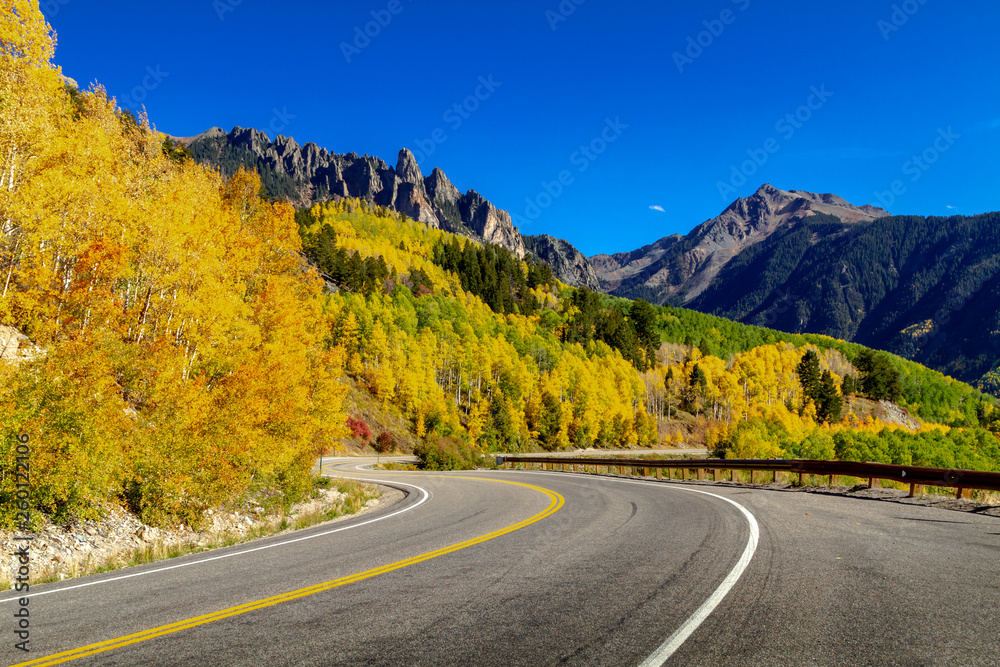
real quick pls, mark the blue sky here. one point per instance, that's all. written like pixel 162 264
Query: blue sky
pixel 681 105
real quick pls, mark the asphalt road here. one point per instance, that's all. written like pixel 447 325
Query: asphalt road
pixel 531 568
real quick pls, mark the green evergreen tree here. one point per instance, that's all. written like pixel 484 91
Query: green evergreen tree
pixel 879 378
pixel 643 319
pixel 829 404
pixel 809 375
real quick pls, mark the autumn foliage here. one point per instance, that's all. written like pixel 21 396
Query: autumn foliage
pixel 498 379
pixel 359 429
pixel 188 356
pixel 186 360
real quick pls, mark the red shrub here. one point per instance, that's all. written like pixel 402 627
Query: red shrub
pixel 384 443
pixel 359 429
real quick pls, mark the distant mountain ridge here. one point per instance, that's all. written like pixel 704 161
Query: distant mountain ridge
pixel 308 174
pixel 786 259
pixel 927 289
pixel 677 269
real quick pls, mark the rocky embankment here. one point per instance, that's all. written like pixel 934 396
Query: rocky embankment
pixel 120 539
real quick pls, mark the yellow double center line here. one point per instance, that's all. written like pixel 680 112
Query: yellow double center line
pixel 111 644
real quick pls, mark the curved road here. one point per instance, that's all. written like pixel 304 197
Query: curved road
pixel 531 568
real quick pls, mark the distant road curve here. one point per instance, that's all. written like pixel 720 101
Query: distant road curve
pixel 536 568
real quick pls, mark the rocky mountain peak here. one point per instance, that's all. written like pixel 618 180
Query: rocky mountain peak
pixel 308 174
pixel 254 140
pixel 439 188
pixel 679 270
pixel 407 168
pixel 568 263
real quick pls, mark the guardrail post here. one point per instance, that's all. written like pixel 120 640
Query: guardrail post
pixel 659 473
pixel 916 490
pixel 834 480
pixel 752 475
pixel 701 474
pixel 963 493
pixel 800 479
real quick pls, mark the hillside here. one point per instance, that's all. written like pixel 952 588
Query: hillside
pixel 175 337
pixel 927 289
pixel 555 367
pixel 189 343
pixel 768 259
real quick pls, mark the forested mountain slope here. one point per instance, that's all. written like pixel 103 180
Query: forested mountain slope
pixel 796 261
pixel 471 345
pixel 191 342
pixel 927 289
pixel 677 269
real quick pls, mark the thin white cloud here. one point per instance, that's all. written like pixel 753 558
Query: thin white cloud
pixel 987 125
pixel 658 208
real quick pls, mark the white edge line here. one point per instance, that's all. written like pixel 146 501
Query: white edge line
pixel 420 502
pixel 669 647
pixel 674 642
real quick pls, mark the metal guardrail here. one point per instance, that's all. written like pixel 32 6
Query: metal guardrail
pixel 964 481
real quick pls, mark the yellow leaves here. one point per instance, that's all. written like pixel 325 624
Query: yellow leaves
pixel 24 35
pixel 191 338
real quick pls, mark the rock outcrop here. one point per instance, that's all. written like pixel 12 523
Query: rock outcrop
pixel 308 174
pixel 568 264
pixel 15 347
